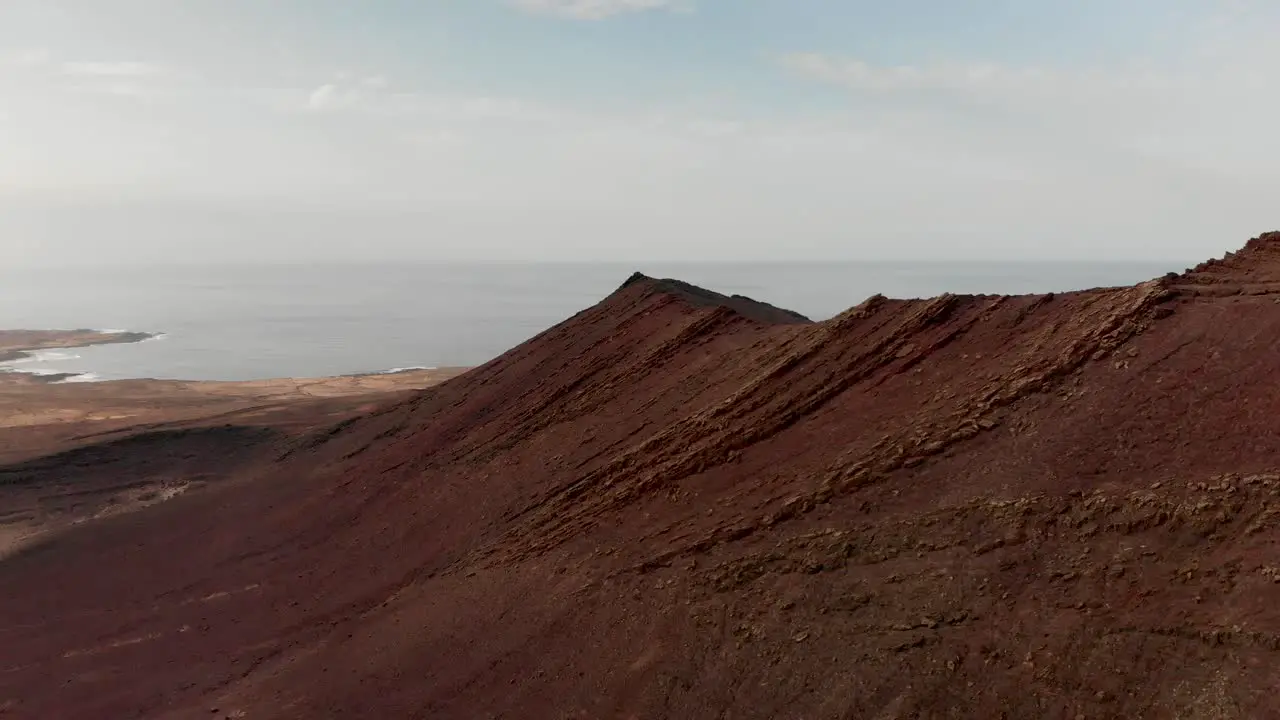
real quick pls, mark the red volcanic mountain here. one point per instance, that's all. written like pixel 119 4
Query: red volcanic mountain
pixel 682 505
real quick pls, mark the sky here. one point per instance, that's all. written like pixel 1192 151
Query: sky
pixel 161 131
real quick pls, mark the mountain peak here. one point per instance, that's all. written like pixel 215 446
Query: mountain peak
pixel 702 297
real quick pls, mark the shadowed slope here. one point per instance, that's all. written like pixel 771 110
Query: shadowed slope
pixel 677 504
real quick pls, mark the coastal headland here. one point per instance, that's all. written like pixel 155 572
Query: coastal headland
pixel 679 504
pixel 22 344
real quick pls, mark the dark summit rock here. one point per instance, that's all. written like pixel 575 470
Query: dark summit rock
pixel 701 297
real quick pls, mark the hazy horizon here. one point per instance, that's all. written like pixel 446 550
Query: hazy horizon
pixel 227 322
pixel 625 266
pixel 630 131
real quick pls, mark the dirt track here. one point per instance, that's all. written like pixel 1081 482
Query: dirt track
pixel 674 505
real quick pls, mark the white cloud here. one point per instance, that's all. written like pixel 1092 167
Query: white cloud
pixel 124 79
pixel 31 58
pixel 594 9
pixel 930 159
pixel 859 75
pixel 119 88
pixel 348 90
pixel 434 139
pixel 1206 116
pixel 40 72
pixel 326 97
pixel 980 77
pixel 24 61
pixel 110 69
pixel 374 97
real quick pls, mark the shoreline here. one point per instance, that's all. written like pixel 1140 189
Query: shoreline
pixel 18 346
pixel 43 411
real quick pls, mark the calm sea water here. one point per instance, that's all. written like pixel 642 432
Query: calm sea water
pixel 237 323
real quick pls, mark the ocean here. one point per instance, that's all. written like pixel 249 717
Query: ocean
pixel 253 322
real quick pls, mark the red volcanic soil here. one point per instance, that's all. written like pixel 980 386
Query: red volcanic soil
pixel 677 504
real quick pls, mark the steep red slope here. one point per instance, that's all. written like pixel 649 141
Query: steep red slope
pixel 677 504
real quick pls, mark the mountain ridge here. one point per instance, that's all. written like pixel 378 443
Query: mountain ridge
pixel 678 504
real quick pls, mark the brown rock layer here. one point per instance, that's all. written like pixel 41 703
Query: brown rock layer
pixel 677 504
pixel 1254 270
